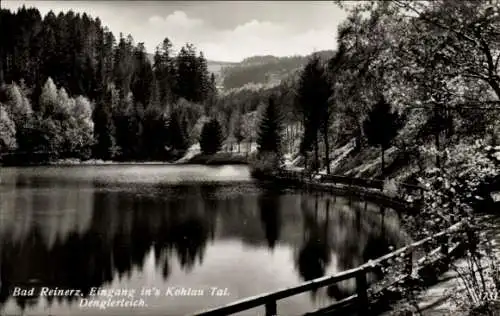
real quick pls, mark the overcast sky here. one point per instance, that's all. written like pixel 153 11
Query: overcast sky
pixel 224 30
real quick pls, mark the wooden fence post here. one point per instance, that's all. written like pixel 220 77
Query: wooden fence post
pixel 361 290
pixel 427 248
pixel 271 309
pixel 472 239
pixel 445 250
pixel 409 262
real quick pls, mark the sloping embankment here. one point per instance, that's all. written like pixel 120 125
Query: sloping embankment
pixel 370 194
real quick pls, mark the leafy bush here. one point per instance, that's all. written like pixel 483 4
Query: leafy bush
pixel 264 164
pixel 479 280
pixel 454 189
pixel 453 192
pixel 7 131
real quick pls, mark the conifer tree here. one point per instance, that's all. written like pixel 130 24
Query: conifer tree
pixel 202 78
pixel 177 139
pixel 237 126
pixel 269 134
pixel 104 128
pixel 381 126
pixel 211 137
pixel 313 96
pixel 186 73
pixel 164 71
pixel 154 127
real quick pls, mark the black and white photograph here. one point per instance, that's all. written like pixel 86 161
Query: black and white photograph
pixel 273 158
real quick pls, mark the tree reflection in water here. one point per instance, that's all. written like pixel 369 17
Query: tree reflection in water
pixel 175 223
pixel 123 230
pixel 315 253
pixel 369 240
pixel 270 216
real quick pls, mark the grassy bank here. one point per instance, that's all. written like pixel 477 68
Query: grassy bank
pixel 218 159
pixel 221 158
pixel 80 162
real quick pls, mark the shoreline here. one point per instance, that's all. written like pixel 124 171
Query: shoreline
pixel 219 159
pixel 358 192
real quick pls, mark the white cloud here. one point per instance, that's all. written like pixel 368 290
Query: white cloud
pixel 260 38
pixel 258 29
pixel 176 20
pixel 251 38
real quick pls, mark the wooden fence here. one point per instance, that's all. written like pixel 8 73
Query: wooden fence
pixel 449 246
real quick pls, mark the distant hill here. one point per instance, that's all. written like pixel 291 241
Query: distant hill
pixel 264 70
pixel 216 67
pixel 257 71
pixel 260 60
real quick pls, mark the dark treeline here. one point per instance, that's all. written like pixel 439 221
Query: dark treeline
pixel 70 88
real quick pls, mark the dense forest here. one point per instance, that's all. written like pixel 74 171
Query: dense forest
pixel 70 88
pixel 402 81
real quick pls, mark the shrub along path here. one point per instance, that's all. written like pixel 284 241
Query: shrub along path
pixel 448 293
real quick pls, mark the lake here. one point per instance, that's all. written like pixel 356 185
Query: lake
pixel 184 238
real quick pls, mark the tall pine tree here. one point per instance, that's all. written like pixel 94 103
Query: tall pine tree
pixel 381 126
pixel 104 129
pixel 313 97
pixel 269 135
pixel 211 137
pixel 177 139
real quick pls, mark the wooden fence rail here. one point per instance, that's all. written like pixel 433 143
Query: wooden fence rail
pixel 269 300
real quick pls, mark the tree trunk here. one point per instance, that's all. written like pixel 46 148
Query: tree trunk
pixel 239 147
pixel 327 221
pixel 316 153
pixel 289 138
pixel 436 135
pixel 438 159
pixel 327 150
pixel 494 85
pixel 383 163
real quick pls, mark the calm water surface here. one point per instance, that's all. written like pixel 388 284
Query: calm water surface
pixel 191 227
